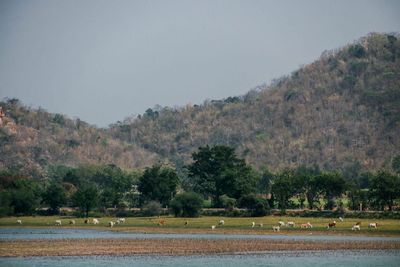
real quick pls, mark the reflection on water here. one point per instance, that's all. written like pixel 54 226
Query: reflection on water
pixel 57 233
pixel 298 259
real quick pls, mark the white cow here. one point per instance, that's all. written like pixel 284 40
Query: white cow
pixel 341 219
pixel 276 228
pixel 111 224
pixel 290 224
pixel 121 220
pixel 373 225
pixel 57 223
pixel 356 227
pixel 281 223
pixel 19 222
pixel 96 221
pixel 221 222
pixel 212 227
pixel 253 224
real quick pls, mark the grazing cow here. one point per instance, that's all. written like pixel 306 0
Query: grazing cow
pixel 306 225
pixel 120 220
pixel 260 225
pixel 57 223
pixel 19 222
pixel 332 224
pixel 212 227
pixel 253 224
pixel 290 224
pixel 356 227
pixel 276 228
pixel 96 221
pixel 221 222
pixel 341 219
pixel 161 222
pixel 72 222
pixel 111 224
pixel 87 221
pixel 373 225
pixel 281 223
pixel 186 223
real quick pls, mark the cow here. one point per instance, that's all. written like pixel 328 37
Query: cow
pixel 72 222
pixel 57 223
pixel 290 224
pixel 373 225
pixel 221 222
pixel 332 224
pixel 96 221
pixel 276 228
pixel 19 222
pixel 356 227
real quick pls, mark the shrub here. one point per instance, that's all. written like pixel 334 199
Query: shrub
pixel 151 208
pixel 186 205
pixel 257 206
pixel 227 202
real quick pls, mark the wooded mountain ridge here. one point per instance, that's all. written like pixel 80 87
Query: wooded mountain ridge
pixel 340 112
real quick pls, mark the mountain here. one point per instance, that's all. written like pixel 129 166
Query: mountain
pixel 340 112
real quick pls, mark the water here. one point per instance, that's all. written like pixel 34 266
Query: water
pixel 298 259
pixel 59 233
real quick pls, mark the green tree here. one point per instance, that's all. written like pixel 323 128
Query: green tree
pixel 55 196
pixel 158 183
pixel 385 188
pixel 283 188
pixel 217 171
pixel 333 185
pixel 86 198
pixel 187 205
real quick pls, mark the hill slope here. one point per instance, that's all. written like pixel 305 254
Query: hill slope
pixel 342 111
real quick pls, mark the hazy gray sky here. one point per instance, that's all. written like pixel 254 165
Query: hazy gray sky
pixel 105 60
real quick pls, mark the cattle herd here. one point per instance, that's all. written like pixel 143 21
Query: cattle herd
pixel 275 228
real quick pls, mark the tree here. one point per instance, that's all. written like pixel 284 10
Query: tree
pixel 25 196
pixel 86 198
pixel 385 188
pixel 158 183
pixel 55 197
pixel 283 188
pixel 187 205
pixel 332 185
pixel 217 171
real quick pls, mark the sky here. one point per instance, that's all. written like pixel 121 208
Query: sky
pixel 103 61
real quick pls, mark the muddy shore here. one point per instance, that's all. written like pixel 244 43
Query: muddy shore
pixel 175 246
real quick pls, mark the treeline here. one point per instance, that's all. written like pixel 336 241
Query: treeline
pixel 215 178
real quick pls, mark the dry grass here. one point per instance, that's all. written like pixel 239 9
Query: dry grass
pixel 174 246
pixel 386 227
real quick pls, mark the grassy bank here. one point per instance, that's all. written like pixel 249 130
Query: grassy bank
pixel 173 246
pixel 203 224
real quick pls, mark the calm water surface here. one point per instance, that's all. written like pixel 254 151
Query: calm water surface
pixel 58 233
pixel 298 259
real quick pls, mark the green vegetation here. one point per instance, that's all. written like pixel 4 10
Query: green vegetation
pixel 215 174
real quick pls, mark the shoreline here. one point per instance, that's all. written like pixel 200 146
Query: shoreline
pixel 175 246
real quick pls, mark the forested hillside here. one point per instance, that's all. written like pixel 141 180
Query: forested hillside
pixel 31 140
pixel 340 112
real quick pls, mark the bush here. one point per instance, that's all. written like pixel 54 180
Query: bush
pixel 152 208
pixel 257 206
pixel 186 205
pixel 226 202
